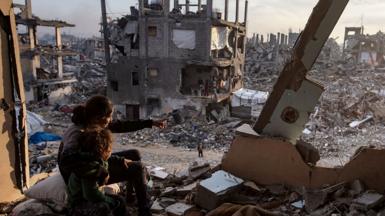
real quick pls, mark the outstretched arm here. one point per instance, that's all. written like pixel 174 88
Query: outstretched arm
pixel 129 126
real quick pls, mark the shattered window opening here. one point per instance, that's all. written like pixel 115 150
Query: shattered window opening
pixel 153 72
pixel 114 85
pixel 135 78
pixel 152 31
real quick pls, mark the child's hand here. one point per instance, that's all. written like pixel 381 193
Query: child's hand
pixel 104 176
pixel 127 162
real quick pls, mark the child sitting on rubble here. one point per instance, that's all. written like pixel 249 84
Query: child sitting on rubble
pixel 91 171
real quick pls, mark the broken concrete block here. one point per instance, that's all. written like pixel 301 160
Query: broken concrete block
pixel 183 174
pixel 308 152
pixel 165 202
pixel 276 189
pixel 194 212
pixel 357 187
pixel 169 191
pixel 368 200
pixel 299 204
pixel 156 207
pixel 198 171
pixel 253 186
pixel 160 174
pixel 211 192
pixel 178 209
pixel 183 191
pixel 314 200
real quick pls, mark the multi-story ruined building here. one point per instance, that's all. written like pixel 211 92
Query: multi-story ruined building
pixel 363 48
pixel 42 64
pixel 93 48
pixel 167 57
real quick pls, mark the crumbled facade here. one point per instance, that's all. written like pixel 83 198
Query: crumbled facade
pixel 165 59
pixel 93 48
pixel 361 48
pixel 42 64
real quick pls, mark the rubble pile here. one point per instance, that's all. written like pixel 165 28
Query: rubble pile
pixel 43 157
pixel 216 192
pixel 189 134
pixel 350 113
pixel 202 189
pixel 92 80
pixel 264 62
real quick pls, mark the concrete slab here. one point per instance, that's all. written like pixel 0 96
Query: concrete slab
pixel 178 209
pixel 212 191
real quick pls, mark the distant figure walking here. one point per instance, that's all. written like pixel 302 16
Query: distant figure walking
pixel 200 150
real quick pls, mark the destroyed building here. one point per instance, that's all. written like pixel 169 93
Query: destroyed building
pixel 361 48
pixel 166 58
pixel 93 48
pixel 42 64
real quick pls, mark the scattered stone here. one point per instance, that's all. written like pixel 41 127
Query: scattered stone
pixel 212 192
pixel 183 191
pixel 156 207
pixel 368 200
pixel 178 209
pixel 299 204
pixel 165 202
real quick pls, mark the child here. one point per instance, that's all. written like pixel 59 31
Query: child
pixel 85 198
pixel 200 150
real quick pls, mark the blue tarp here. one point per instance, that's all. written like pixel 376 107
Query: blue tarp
pixel 39 137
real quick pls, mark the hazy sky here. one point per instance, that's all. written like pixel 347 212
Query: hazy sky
pixel 264 16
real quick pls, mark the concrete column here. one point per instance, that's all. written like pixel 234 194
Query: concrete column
pixel 237 11
pixel 176 4
pixel 199 5
pixel 246 11
pixel 282 39
pixel 278 37
pixel 227 10
pixel 28 5
pixel 59 57
pixel 105 33
pixel 166 7
pixel 187 6
pixel 210 8
pixel 262 39
pixel 141 7
pixel 257 39
pixel 31 36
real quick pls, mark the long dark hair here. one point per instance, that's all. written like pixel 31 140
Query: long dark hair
pixel 97 141
pixel 95 108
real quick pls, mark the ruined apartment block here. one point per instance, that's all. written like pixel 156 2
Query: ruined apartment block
pixel 42 65
pixel 361 48
pixel 169 55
